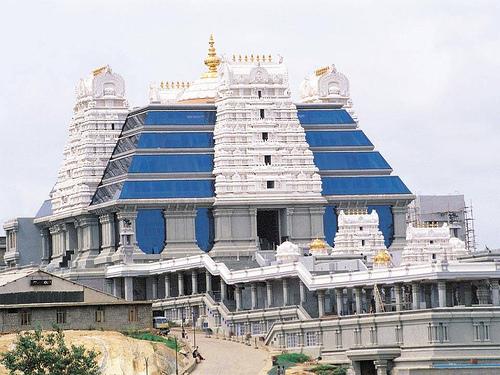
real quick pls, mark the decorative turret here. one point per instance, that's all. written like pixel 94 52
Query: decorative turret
pixel 429 243
pixel 287 252
pixel 99 113
pixel 327 85
pixel 382 259
pixel 212 61
pixel 358 234
pixel 318 247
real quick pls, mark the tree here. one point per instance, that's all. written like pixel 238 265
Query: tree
pixel 37 353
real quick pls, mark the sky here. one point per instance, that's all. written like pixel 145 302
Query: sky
pixel 424 78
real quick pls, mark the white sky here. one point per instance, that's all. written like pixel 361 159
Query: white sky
pixel 424 78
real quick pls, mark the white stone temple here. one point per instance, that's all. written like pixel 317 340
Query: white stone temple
pixel 224 201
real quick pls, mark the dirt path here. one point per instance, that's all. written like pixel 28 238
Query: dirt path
pixel 226 357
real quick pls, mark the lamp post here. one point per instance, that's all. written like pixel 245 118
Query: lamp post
pixel 194 330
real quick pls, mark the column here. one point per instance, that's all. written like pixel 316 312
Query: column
pixel 381 367
pixel 467 293
pixel 302 292
pixel 269 293
pixel 442 293
pixel 388 298
pixel 167 285
pixel 208 282
pixel 254 295
pixel 108 240
pixel 357 296
pixel 154 287
pixel 180 231
pixel 483 293
pixel 339 296
pixel 415 294
pixel 117 287
pixel 129 288
pixel 427 296
pixel 180 283
pixel 194 282
pixel 321 303
pixel 223 290
pixel 44 233
pixel 399 219
pixel 237 297
pixel 88 248
pixel 495 297
pixel 285 292
pixel 399 296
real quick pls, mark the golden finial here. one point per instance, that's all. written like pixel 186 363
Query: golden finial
pixel 166 85
pixel 270 58
pixel 161 84
pixel 212 60
pixel 246 58
pixel 251 57
pixel 234 57
pixel 178 84
pixel 239 58
pixel 263 58
pixel 258 58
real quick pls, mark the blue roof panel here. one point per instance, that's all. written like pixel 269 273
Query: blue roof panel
pixel 339 138
pixel 365 185
pixel 167 189
pixel 176 140
pixel 172 163
pixel 180 118
pixel 324 117
pixel 349 160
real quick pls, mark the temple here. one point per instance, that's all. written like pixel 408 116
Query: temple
pixel 228 203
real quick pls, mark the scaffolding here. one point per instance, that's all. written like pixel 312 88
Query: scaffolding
pixel 470 234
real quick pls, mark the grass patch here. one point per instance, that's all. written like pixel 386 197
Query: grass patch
pixel 328 370
pixel 148 336
pixel 288 360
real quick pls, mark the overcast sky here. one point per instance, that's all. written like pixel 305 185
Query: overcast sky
pixel 424 77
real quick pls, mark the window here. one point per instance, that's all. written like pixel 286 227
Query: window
pixel 360 228
pixel 292 340
pixel 362 242
pixel 399 335
pixel 357 336
pixel 270 184
pixel 373 335
pixel 256 328
pixel 25 318
pixel 99 314
pixel 311 338
pixel 481 331
pixel 267 159
pixel 112 126
pixel 431 242
pixel 265 136
pixel 261 113
pixel 338 338
pixel 433 256
pixel 61 317
pixel 133 314
pixel 259 94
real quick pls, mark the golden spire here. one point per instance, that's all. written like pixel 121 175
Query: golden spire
pixel 212 60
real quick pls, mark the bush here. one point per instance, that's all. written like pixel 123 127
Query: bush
pixel 148 336
pixel 328 370
pixel 293 357
pixel 36 353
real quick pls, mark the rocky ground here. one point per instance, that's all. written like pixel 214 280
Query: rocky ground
pixel 119 354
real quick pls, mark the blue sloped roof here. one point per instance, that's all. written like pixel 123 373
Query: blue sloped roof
pixel 364 185
pixel 45 209
pixel 350 160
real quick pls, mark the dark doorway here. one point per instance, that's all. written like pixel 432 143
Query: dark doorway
pixel 367 368
pixel 268 229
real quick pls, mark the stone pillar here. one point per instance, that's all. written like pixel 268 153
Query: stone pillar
pixel 399 297
pixel 285 292
pixel 399 219
pixel 154 287
pixel 415 294
pixel 180 283
pixel 269 293
pixel 483 293
pixel 381 367
pixel 129 288
pixel 321 303
pixel 339 296
pixel 208 282
pixel 428 296
pixel 180 231
pixel 117 287
pixel 388 298
pixel 194 282
pixel 254 295
pixel 237 297
pixel 442 293
pixel 88 249
pixel 357 296
pixel 127 241
pixel 108 240
pixel 167 285
pixel 467 293
pixel 223 290
pixel 303 293
pixel 495 296
pixel 44 233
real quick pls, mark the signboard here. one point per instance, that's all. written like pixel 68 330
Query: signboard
pixel 38 282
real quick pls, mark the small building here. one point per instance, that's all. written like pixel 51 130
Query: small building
pixel 32 298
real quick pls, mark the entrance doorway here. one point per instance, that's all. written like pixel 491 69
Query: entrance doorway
pixel 367 368
pixel 268 229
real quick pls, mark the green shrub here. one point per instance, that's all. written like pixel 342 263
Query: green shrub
pixel 326 369
pixel 293 357
pixel 148 336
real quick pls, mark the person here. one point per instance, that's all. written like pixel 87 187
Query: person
pixel 373 307
pixel 197 356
